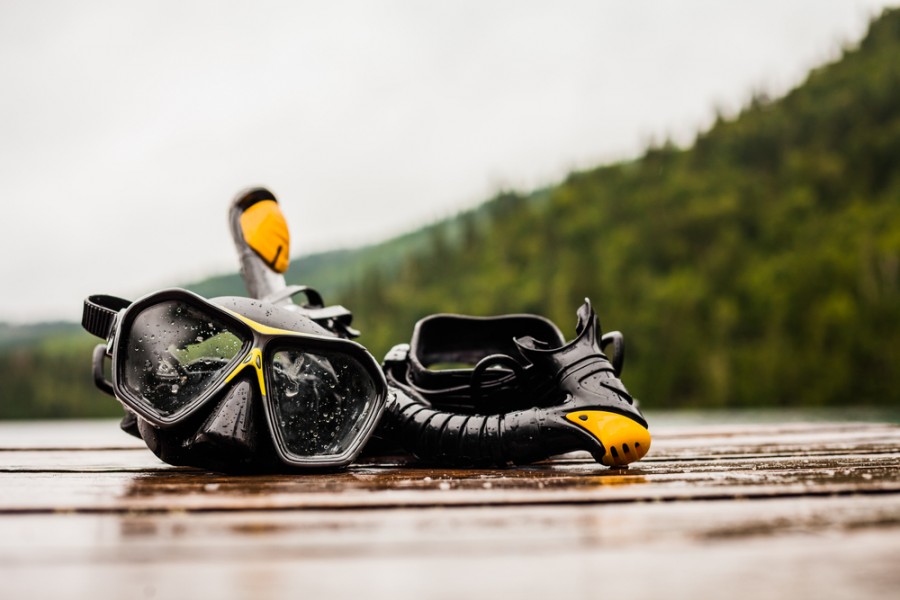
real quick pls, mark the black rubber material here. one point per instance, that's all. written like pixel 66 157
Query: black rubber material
pixel 230 425
pixel 254 195
pixel 100 312
pixel 512 406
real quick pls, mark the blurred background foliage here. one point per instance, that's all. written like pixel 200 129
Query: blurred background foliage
pixel 758 268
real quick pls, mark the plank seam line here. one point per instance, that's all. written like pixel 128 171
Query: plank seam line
pixel 437 505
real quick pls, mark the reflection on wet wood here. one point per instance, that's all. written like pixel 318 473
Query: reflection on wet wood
pixel 776 511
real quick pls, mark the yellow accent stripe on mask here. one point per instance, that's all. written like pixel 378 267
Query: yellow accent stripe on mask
pixel 266 231
pixel 252 360
pixel 264 329
pixel 624 439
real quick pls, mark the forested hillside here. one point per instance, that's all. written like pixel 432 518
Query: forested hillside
pixel 759 267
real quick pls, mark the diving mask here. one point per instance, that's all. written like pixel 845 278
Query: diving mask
pixel 236 384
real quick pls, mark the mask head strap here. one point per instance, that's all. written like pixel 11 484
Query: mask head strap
pixel 100 312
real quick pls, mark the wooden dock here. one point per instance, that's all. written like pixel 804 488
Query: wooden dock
pixel 799 510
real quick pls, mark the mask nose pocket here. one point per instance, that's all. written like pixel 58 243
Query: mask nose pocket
pixel 231 428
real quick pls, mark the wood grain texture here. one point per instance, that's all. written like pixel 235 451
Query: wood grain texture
pixel 741 511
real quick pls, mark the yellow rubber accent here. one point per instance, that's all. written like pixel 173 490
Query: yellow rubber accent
pixel 253 360
pixel 630 439
pixel 266 231
pixel 254 357
pixel 264 328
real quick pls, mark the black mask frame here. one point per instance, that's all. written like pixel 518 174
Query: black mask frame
pixel 114 318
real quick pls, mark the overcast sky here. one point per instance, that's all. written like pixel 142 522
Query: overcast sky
pixel 127 127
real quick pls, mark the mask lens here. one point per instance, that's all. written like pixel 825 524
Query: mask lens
pixel 321 400
pixel 174 353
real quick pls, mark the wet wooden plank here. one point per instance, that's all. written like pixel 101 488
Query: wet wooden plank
pixel 65 435
pixel 796 568
pixel 737 461
pixel 83 460
pixel 640 551
pixel 774 440
pixel 385 487
pixel 788 510
pixel 136 537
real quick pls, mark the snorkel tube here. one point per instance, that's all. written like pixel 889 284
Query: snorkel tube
pixel 553 399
